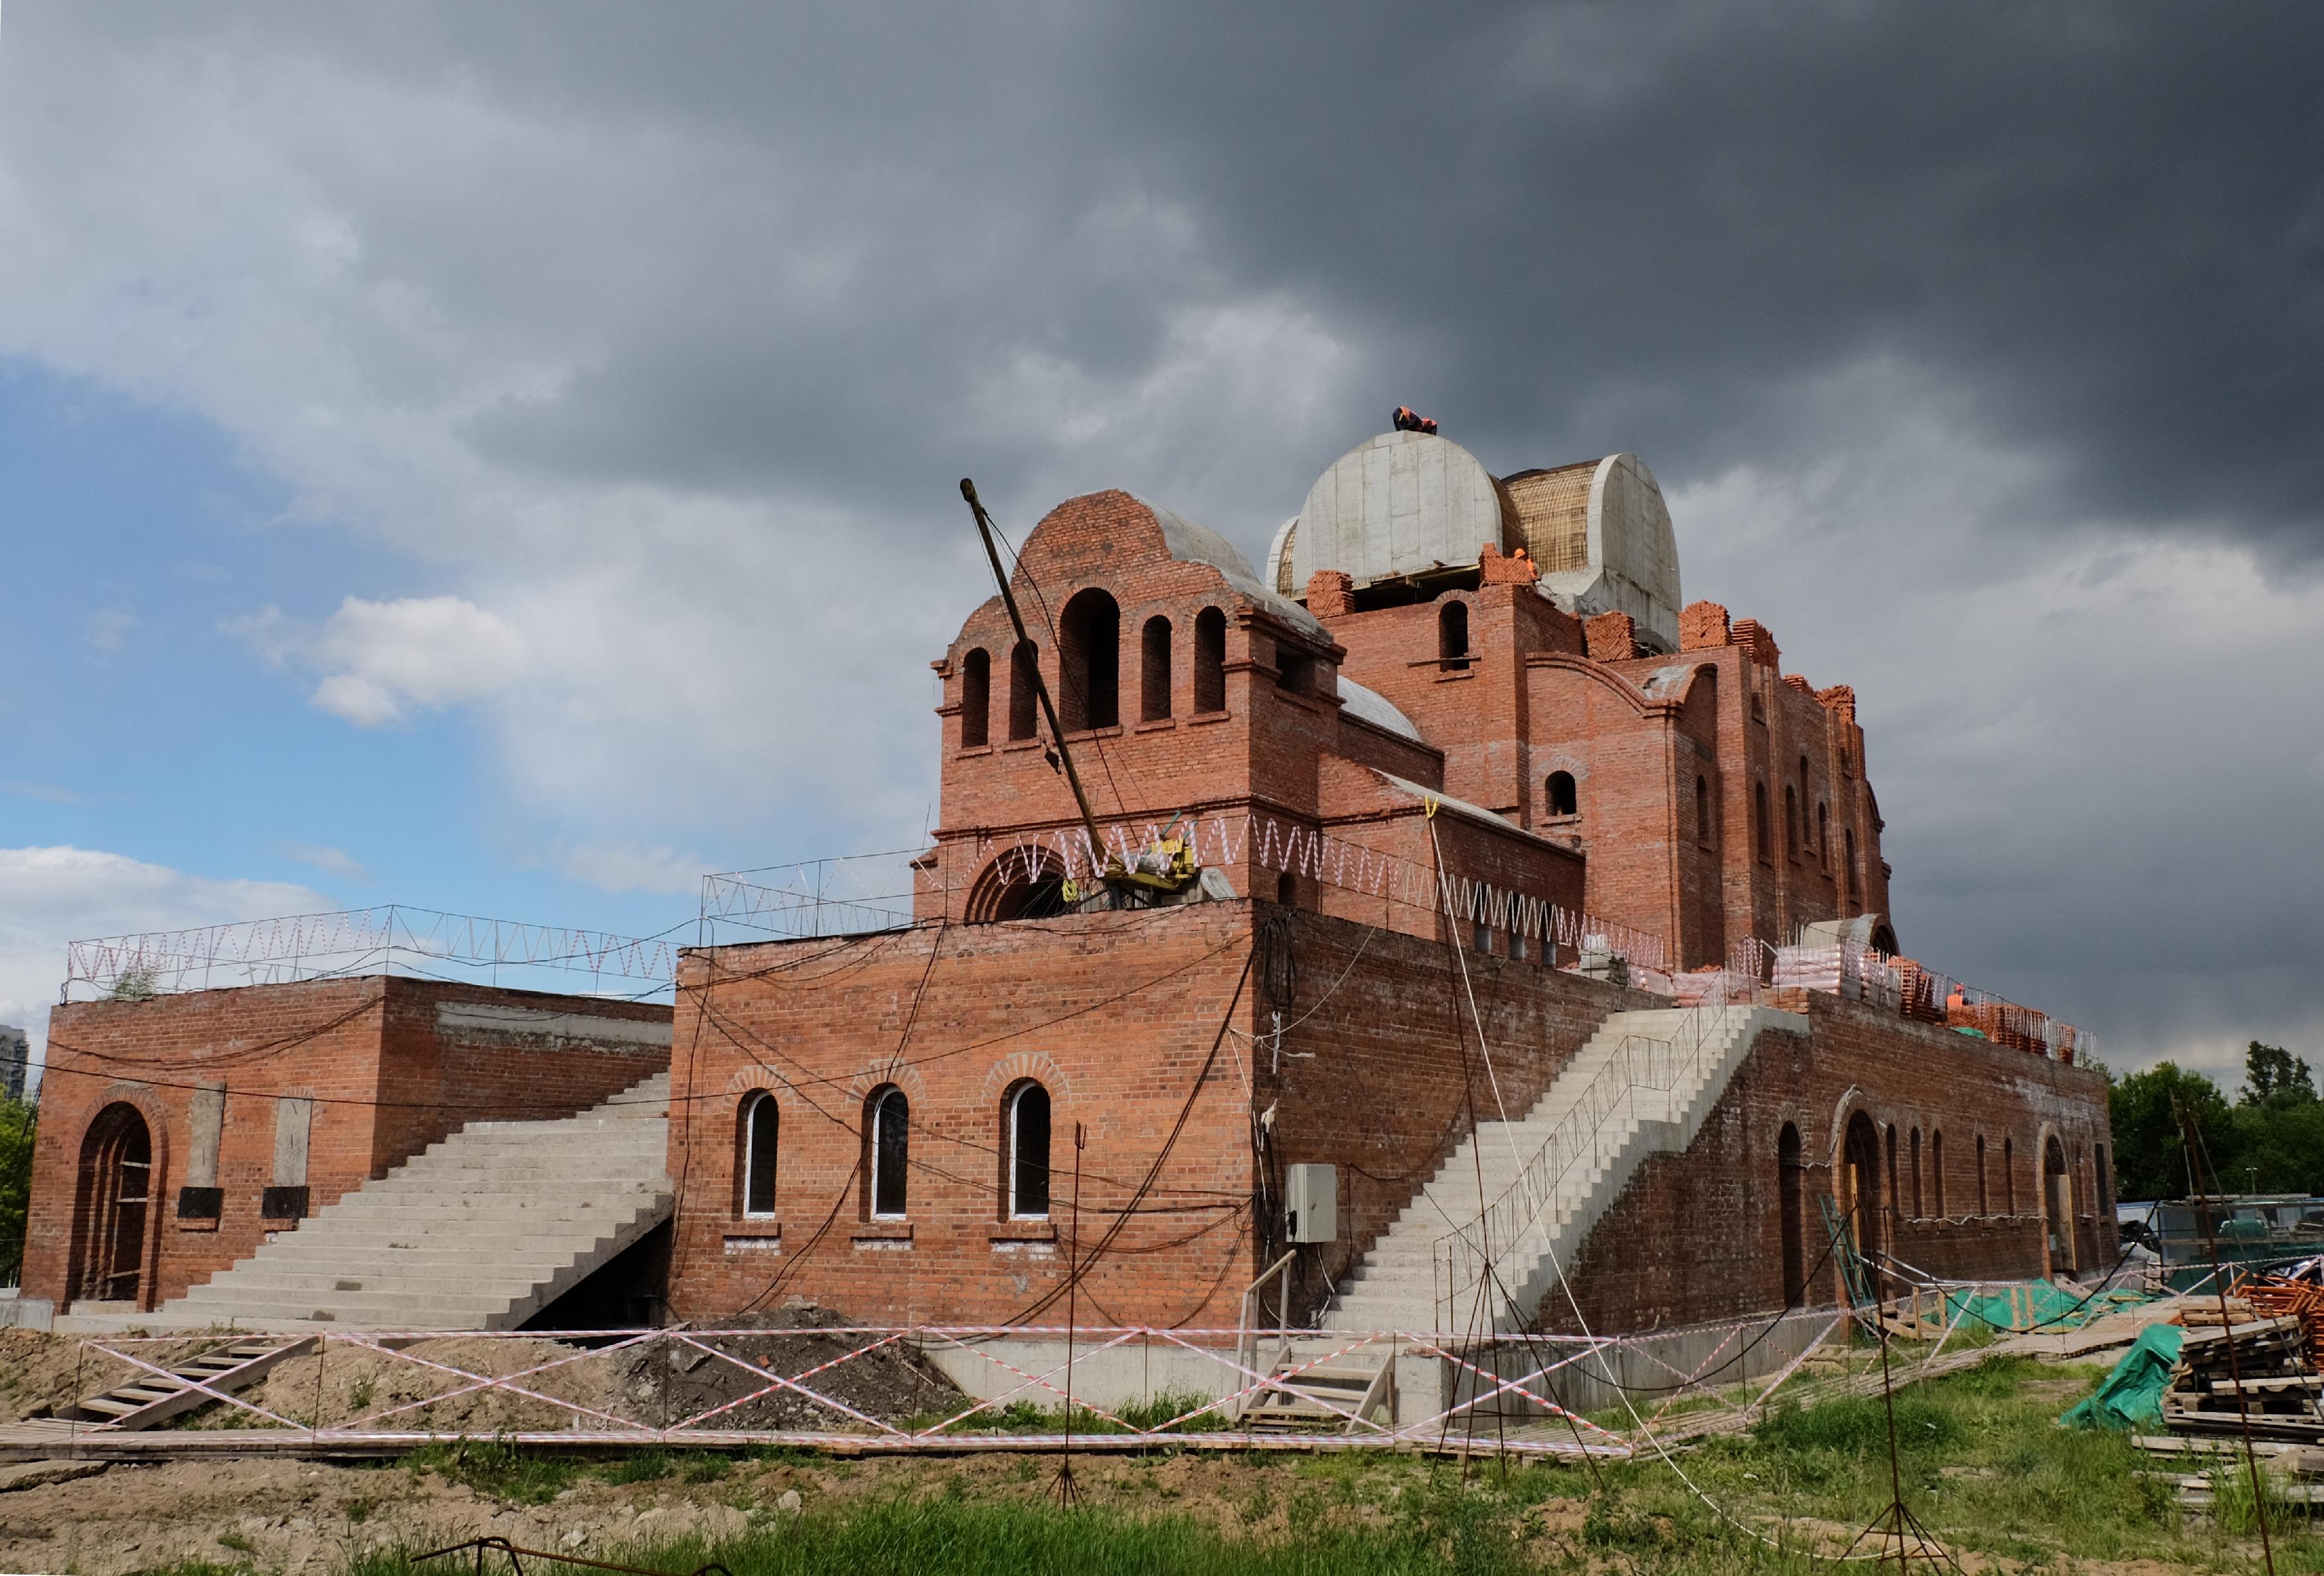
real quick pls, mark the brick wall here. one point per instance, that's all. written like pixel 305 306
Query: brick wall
pixel 1717 1209
pixel 385 1083
pixel 1113 1014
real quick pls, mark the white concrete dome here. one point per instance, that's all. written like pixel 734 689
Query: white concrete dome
pixel 1603 536
pixel 1402 505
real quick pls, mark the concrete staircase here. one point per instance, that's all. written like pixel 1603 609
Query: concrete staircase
pixel 478 1232
pixel 1642 1085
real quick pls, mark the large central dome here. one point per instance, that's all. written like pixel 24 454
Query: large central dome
pixel 1399 507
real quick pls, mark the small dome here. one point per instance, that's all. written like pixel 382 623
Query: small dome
pixel 1603 536
pixel 1377 709
pixel 1402 505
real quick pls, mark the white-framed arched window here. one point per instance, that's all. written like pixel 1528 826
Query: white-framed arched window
pixel 1026 1115
pixel 889 1141
pixel 761 1126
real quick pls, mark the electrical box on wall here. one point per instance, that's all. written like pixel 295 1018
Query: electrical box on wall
pixel 1311 1204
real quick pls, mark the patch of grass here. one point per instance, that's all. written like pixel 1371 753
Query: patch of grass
pixel 2235 1508
pixel 1852 1425
pixel 360 1393
pixel 940 1536
pixel 639 1466
pixel 496 1469
pixel 706 1466
pixel 1024 1416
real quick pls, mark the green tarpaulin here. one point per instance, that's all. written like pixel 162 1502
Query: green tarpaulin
pixel 2038 1307
pixel 2131 1395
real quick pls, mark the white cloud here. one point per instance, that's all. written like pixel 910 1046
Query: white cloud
pixel 107 629
pixel 331 861
pixel 50 897
pixel 382 659
pixel 381 662
pixel 619 868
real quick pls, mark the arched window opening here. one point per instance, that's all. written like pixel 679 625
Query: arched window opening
pixel 1565 797
pixel 889 1139
pixel 1895 1197
pixel 1210 661
pixel 1824 831
pixel 1860 1178
pixel 1452 636
pixel 2009 1176
pixel 761 1120
pixel 1024 678
pixel 1154 670
pixel 1918 1212
pixel 1791 823
pixel 1848 863
pixel 1937 1166
pixel 114 1207
pixel 1518 948
pixel 1984 1201
pixel 1089 645
pixel 2058 1205
pixel 1760 820
pixel 1788 1190
pixel 1028 1117
pixel 1021 883
pixel 1703 811
pixel 1286 889
pixel 975 699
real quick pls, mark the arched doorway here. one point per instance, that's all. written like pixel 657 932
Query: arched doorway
pixel 1860 1198
pixel 113 1207
pixel 2058 1206
pixel 1787 1168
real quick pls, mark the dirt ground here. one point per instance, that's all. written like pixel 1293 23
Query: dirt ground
pixel 424 1387
pixel 307 1519
pixel 313 1517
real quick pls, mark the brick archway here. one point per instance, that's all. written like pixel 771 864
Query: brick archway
pixel 116 1209
pixel 1021 882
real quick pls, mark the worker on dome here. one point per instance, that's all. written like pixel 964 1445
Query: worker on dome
pixel 1409 420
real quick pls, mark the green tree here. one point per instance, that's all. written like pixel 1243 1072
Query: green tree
pixel 2150 1157
pixel 2275 1078
pixel 17 1120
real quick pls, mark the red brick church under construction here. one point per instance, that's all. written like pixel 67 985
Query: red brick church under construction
pixel 1542 908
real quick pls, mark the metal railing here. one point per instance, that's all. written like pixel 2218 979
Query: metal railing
pixel 1522 1217
pixel 390 938
pixel 586 1389
pixel 857 894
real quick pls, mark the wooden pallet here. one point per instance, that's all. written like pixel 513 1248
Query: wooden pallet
pixel 154 1398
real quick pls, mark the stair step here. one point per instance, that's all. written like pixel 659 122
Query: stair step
pixel 474 1232
pixel 1396 1283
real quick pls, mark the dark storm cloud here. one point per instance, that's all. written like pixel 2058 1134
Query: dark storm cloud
pixel 1567 229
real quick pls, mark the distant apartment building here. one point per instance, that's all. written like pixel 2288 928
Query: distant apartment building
pixel 15 1060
